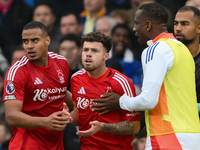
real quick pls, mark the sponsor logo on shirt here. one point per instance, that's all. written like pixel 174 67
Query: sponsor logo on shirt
pixel 37 81
pixel 43 94
pixel 61 76
pixel 81 91
pixel 132 114
pixel 10 87
pixel 83 102
pixel 10 97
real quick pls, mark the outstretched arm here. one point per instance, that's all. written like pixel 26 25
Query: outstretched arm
pixel 125 127
pixel 15 117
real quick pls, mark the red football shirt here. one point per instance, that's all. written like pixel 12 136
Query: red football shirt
pixel 85 88
pixel 42 90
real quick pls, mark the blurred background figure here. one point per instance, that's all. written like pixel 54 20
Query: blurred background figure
pixel 70 48
pixel 14 14
pixel 17 53
pixel 2 108
pixel 105 25
pixel 4 64
pixel 44 13
pixel 117 4
pixel 121 16
pixel 70 22
pixel 195 3
pixel 139 142
pixel 5 135
pixel 121 51
pixel 94 9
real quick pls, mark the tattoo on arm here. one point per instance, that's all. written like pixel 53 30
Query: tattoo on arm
pixel 125 127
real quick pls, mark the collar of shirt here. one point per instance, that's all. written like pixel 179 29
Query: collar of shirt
pixel 162 35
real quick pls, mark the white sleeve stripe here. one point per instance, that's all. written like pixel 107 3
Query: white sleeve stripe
pixel 14 68
pixel 82 71
pixel 126 83
pixel 54 55
pixel 17 68
pixel 121 85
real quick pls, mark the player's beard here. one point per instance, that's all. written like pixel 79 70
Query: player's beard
pixel 186 42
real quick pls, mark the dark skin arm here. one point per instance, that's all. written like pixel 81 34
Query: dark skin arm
pixel 108 102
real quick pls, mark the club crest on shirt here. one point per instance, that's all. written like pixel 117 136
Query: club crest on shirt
pixel 10 87
pixel 61 76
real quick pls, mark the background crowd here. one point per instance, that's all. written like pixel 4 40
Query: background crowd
pixel 66 22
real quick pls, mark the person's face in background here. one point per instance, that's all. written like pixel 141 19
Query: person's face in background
pixel 69 24
pixel 195 3
pixel 17 54
pixel 44 15
pixel 93 5
pixel 70 51
pixel 120 40
pixel 186 27
pixel 104 27
pixel 141 143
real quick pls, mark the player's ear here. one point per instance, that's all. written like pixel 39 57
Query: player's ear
pixel 198 29
pixel 48 40
pixel 106 56
pixel 148 25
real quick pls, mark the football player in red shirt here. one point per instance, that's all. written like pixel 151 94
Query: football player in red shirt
pixel 114 130
pixel 35 90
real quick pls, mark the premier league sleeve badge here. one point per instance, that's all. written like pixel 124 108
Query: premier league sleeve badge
pixel 10 87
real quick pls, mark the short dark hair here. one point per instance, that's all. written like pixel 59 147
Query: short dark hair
pixel 155 12
pixel 71 37
pixel 98 37
pixel 124 26
pixel 34 25
pixel 46 3
pixel 78 19
pixel 191 8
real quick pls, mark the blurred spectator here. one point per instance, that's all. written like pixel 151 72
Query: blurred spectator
pixel 14 14
pixel 44 12
pixel 17 53
pixel 2 108
pixel 5 135
pixel 121 37
pixel 105 25
pixel 4 65
pixel 195 3
pixel 31 3
pixel 132 10
pixel 113 63
pixel 139 143
pixel 117 4
pixel 94 9
pixel 172 5
pixel 70 48
pixel 121 16
pixel 70 22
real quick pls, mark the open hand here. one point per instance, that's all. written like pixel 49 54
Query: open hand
pixel 96 126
